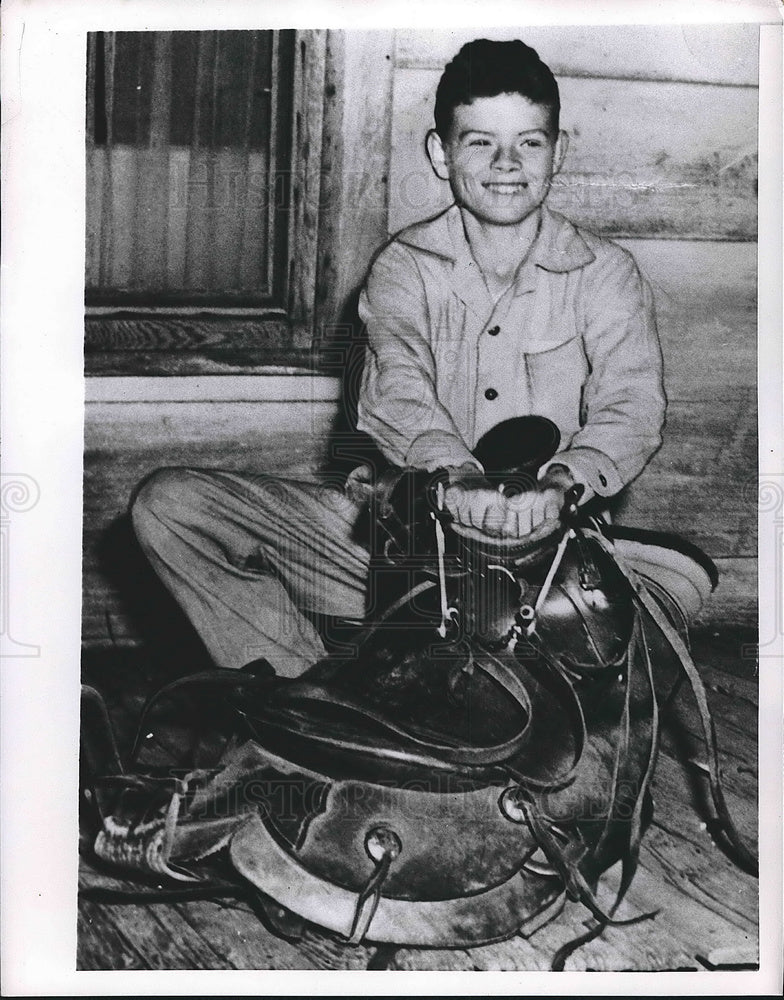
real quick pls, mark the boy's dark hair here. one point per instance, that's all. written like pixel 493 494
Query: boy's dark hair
pixel 483 68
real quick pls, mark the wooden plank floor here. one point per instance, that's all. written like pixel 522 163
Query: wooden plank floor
pixel 706 907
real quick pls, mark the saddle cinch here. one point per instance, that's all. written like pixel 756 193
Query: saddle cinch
pixel 454 770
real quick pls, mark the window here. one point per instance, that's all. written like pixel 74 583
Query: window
pixel 202 167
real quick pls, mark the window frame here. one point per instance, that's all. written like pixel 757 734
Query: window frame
pixel 146 334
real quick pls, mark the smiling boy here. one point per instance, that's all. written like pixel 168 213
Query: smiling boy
pixel 499 308
pixel 496 308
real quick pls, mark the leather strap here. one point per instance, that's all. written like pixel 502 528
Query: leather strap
pixel 644 600
pixel 451 752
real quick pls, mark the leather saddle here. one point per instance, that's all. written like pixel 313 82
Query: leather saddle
pixel 479 751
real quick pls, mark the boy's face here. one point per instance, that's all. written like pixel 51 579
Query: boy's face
pixel 499 157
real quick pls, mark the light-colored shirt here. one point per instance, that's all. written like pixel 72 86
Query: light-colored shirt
pixel 573 339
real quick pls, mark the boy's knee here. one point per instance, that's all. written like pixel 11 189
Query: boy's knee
pixel 159 496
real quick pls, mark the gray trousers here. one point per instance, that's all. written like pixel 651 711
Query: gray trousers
pixel 245 555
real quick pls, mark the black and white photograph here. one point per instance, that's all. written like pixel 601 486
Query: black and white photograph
pixel 422 389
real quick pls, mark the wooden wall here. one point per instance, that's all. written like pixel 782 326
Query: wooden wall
pixel 662 142
pixel 127 439
pixel 663 157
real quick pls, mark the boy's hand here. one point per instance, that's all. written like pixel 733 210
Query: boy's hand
pixel 474 503
pixel 529 510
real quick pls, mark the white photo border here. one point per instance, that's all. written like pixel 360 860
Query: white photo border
pixel 42 313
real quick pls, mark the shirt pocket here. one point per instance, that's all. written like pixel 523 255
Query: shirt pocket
pixel 547 319
pixel 557 379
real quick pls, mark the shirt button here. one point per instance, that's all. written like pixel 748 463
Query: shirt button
pixel 494 331
pixel 491 394
pixel 602 479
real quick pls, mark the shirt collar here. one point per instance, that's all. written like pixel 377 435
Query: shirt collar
pixel 558 247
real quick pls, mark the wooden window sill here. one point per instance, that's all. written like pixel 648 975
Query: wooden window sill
pixel 273 384
pixel 145 343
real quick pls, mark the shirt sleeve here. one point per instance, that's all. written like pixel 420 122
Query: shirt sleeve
pixel 398 404
pixel 624 404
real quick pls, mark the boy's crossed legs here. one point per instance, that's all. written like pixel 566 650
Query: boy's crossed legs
pixel 244 554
